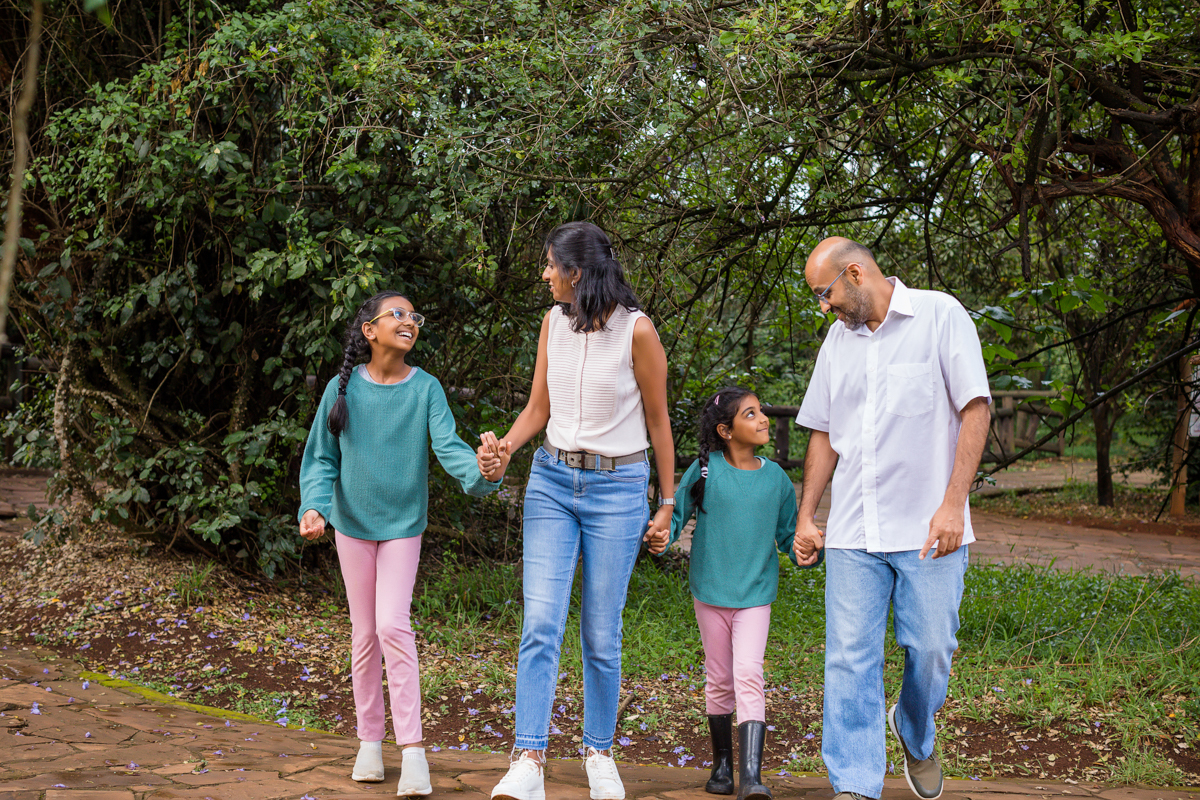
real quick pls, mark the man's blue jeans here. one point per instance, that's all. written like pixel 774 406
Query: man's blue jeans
pixel 572 514
pixel 924 596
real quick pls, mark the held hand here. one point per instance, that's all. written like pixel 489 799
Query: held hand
pixel 657 538
pixel 658 529
pixel 312 525
pixel 503 455
pixel 493 456
pixel 486 455
pixel 662 518
pixel 945 531
pixel 808 542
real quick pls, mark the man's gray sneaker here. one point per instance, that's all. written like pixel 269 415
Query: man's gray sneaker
pixel 924 777
pixel 850 796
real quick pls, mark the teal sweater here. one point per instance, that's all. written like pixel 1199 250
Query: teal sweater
pixel 748 515
pixel 373 482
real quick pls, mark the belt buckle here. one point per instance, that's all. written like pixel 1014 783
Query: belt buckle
pixel 574 460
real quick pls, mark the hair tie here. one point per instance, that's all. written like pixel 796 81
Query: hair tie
pixel 717 400
pixel 342 391
pixel 704 472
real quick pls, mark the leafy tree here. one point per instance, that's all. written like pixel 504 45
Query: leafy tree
pixel 208 220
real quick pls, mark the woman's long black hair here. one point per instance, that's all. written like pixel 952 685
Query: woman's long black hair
pixel 356 347
pixel 720 409
pixel 582 249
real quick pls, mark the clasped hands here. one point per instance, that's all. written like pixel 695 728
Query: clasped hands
pixel 808 542
pixel 493 456
pixel 658 530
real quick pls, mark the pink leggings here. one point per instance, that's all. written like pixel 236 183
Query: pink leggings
pixel 735 640
pixel 379 579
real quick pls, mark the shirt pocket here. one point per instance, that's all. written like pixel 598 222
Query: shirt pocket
pixel 909 389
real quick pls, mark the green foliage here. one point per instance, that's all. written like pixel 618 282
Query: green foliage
pixel 191 586
pixel 211 219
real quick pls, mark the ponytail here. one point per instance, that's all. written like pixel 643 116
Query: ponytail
pixel 355 347
pixel 720 409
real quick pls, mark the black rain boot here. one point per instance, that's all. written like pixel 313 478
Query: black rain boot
pixel 720 726
pixel 750 748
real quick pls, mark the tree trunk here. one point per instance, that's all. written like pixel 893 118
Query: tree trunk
pixel 1104 420
pixel 20 141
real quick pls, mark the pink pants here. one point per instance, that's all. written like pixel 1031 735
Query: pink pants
pixel 735 641
pixel 379 579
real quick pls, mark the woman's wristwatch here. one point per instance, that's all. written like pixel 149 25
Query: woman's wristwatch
pixel 666 501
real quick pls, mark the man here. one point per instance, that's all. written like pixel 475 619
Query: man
pixel 898 404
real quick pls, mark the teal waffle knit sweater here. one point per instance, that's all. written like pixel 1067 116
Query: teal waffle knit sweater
pixel 373 482
pixel 749 516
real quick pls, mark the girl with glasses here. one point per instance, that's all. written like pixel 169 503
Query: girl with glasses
pixel 365 472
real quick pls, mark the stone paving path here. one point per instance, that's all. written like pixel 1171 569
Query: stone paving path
pixel 62 741
pixel 1011 540
pixel 1053 473
pixel 21 488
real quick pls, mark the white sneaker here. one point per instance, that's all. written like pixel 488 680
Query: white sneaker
pixel 524 781
pixel 414 773
pixel 368 767
pixel 602 776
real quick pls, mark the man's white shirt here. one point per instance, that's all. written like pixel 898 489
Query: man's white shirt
pixel 890 401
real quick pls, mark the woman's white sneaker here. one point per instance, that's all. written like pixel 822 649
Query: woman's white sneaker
pixel 414 774
pixel 602 776
pixel 524 781
pixel 368 767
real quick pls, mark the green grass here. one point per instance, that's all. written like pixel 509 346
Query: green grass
pixel 284 708
pixel 1042 647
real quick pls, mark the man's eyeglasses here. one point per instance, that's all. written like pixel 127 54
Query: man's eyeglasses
pixel 401 314
pixel 823 297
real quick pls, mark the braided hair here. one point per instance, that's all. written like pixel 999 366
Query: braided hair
pixel 720 409
pixel 356 347
pixel 582 248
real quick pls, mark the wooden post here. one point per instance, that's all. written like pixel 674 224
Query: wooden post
pixel 1007 424
pixel 782 436
pixel 1179 452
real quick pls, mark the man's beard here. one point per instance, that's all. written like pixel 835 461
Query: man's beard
pixel 857 308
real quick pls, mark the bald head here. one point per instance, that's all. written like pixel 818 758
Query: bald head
pixel 832 255
pixel 847 281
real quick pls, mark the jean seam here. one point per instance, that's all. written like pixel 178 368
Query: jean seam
pixel 561 632
pixel 621 637
pixel 596 743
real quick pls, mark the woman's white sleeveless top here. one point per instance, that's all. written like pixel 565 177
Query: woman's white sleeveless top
pixel 595 403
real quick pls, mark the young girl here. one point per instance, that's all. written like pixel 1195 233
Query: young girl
pixel 745 510
pixel 366 472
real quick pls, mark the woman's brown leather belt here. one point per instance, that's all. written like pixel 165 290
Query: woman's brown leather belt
pixel 581 460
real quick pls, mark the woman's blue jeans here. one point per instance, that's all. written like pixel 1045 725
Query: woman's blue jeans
pixel 571 514
pixel 924 597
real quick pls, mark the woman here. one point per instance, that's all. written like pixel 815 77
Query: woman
pixel 599 384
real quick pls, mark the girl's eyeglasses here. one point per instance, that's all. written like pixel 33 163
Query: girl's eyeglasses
pixel 401 314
